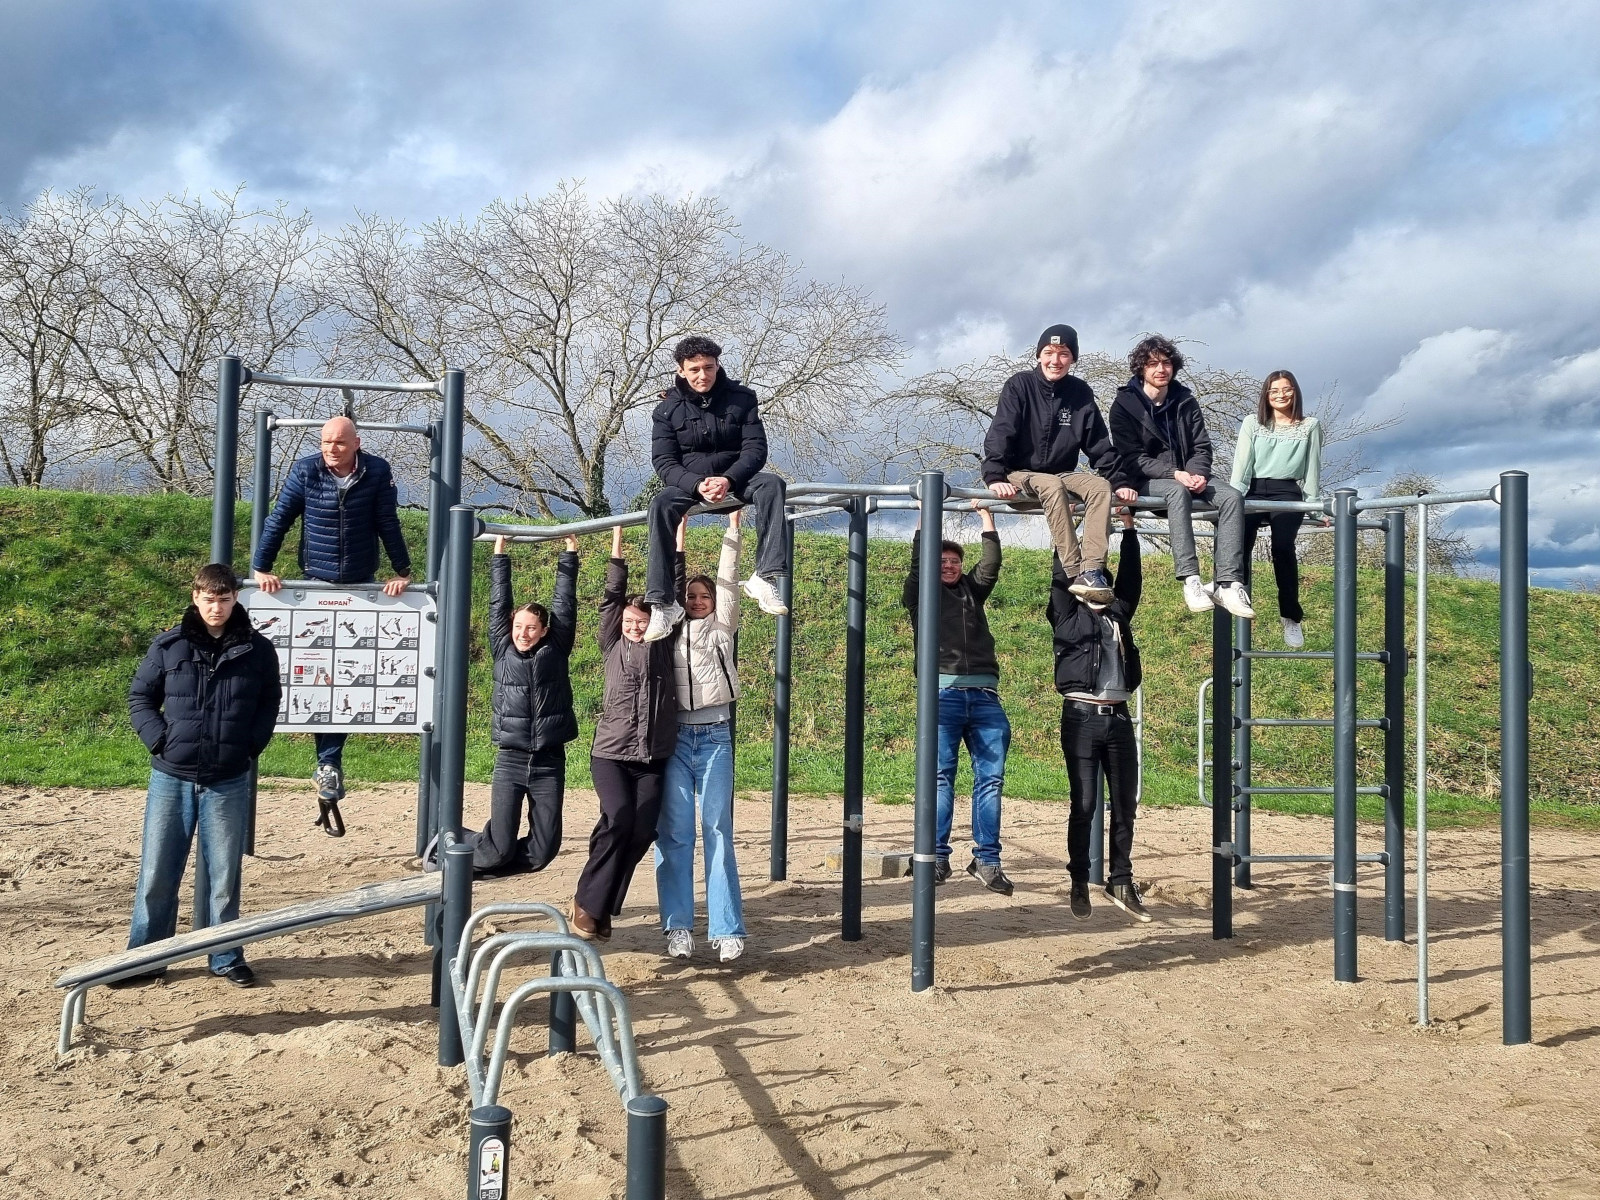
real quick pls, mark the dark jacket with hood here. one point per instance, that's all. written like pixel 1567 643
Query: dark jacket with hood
pixel 1152 442
pixel 966 647
pixel 695 437
pixel 204 707
pixel 639 717
pixel 1077 627
pixel 533 691
pixel 1043 426
pixel 341 529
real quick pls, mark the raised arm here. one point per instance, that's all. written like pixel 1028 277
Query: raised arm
pixel 987 573
pixel 499 600
pixel 908 593
pixel 728 575
pixel 564 602
pixel 680 564
pixel 614 598
pixel 1130 576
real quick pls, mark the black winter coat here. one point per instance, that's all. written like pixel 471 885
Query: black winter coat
pixel 204 707
pixel 695 437
pixel 340 533
pixel 639 717
pixel 533 691
pixel 1077 626
pixel 966 647
pixel 1043 426
pixel 1155 444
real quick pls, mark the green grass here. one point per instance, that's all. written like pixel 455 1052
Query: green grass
pixel 87 580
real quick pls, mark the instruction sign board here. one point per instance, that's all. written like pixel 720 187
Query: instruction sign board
pixel 350 661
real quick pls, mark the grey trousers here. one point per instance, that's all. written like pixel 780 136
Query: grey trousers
pixel 1229 551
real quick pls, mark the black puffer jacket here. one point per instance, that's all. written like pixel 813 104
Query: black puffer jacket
pixel 1043 426
pixel 340 530
pixel 1155 442
pixel 1077 626
pixel 695 436
pixel 966 647
pixel 533 691
pixel 639 718
pixel 204 707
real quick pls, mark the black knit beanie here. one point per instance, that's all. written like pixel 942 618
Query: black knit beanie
pixel 1059 335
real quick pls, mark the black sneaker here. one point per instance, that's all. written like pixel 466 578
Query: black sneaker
pixel 1126 897
pixel 139 980
pixel 991 876
pixel 240 976
pixel 1093 585
pixel 1081 907
pixel 941 871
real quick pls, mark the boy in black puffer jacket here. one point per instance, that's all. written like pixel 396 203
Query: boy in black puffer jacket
pixel 1097 672
pixel 204 702
pixel 533 717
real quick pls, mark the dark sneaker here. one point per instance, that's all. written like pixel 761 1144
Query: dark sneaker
pixel 1081 907
pixel 330 782
pixel 1126 897
pixel 139 980
pixel 240 976
pixel 991 876
pixel 941 871
pixel 1094 586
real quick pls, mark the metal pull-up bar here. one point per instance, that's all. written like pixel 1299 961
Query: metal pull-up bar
pixel 436 386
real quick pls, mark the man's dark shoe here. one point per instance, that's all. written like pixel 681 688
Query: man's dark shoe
pixel 602 928
pixel 991 876
pixel 941 871
pixel 583 924
pixel 1093 585
pixel 1081 907
pixel 1126 897
pixel 139 980
pixel 240 975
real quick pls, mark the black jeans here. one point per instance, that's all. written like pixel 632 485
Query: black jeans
pixel 630 802
pixel 764 494
pixel 1091 742
pixel 1285 527
pixel 538 777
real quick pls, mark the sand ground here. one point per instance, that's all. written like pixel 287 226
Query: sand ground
pixel 1054 1057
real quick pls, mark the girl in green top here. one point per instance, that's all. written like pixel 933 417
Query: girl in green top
pixel 1279 457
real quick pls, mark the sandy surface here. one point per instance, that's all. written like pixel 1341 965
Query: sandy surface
pixel 1054 1058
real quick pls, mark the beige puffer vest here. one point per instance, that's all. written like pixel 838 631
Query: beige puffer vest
pixel 703 657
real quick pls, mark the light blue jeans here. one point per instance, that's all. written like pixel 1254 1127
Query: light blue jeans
pixel 173 810
pixel 700 771
pixel 973 715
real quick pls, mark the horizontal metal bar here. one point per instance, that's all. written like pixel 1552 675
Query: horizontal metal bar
pixel 1304 722
pixel 801 490
pixel 376 426
pixel 322 585
pixel 1303 791
pixel 1429 498
pixel 1378 857
pixel 349 385
pixel 1369 656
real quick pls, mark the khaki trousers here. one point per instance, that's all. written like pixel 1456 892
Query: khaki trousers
pixel 1056 494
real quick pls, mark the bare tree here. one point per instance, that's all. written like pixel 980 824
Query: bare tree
pixel 184 281
pixel 565 312
pixel 48 259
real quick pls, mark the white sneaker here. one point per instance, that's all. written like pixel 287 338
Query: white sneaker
pixel 731 948
pixel 1195 595
pixel 664 619
pixel 764 594
pixel 680 943
pixel 1293 636
pixel 1235 599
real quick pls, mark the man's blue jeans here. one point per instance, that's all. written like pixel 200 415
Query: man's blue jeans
pixel 974 716
pixel 174 810
pixel 330 749
pixel 701 770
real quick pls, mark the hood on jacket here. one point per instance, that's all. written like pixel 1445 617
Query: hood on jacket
pixel 235 631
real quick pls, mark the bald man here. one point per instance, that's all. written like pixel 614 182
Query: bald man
pixel 347 500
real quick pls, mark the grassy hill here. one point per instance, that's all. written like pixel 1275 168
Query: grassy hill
pixel 87 580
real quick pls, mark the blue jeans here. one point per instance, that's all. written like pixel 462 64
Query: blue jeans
pixel 974 716
pixel 330 749
pixel 701 770
pixel 173 810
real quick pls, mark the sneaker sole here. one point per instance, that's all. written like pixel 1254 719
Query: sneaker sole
pixel 1083 916
pixel 1144 917
pixel 773 608
pixel 1098 595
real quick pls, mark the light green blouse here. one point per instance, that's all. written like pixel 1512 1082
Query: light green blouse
pixel 1279 452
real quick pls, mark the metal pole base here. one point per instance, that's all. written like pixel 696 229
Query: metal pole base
pixel 647 1148
pixel 489 1155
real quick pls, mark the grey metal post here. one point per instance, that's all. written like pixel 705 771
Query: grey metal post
pixel 230 375
pixel 427 769
pixel 450 444
pixel 1394 738
pixel 855 704
pixel 489 1154
pixel 1422 764
pixel 1516 684
pixel 647 1148
pixel 1242 631
pixel 1222 849
pixel 455 635
pixel 931 494
pixel 260 497
pixel 457 866
pixel 563 1014
pixel 782 649
pixel 1344 735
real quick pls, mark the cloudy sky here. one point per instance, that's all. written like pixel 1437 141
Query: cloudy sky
pixel 1397 201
